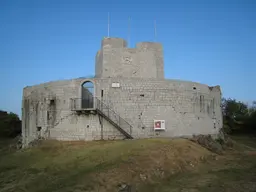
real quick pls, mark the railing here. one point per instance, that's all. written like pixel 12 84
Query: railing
pixel 93 103
pixel 78 104
pixel 113 116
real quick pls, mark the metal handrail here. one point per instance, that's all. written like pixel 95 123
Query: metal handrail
pixel 94 103
pixel 110 109
pixel 101 106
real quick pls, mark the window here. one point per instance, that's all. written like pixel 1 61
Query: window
pixel 213 106
pixel 52 102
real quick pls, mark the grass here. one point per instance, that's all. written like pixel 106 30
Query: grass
pixel 236 174
pixel 234 171
pixel 147 164
pixel 245 141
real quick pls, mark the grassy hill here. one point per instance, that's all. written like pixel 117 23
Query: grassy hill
pixel 144 165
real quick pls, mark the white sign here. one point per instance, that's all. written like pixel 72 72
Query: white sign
pixel 115 85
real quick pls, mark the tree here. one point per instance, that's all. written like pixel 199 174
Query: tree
pixel 234 109
pixel 238 117
pixel 10 124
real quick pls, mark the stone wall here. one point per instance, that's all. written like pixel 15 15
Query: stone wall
pixel 188 108
pixel 115 59
pixel 48 107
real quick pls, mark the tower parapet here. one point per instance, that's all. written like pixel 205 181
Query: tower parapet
pixel 116 60
pixel 149 46
pixel 113 43
pixel 156 51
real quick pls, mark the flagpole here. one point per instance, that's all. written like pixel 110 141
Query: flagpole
pixel 155 29
pixel 108 24
pixel 129 30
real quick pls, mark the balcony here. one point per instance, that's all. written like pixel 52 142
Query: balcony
pixel 80 104
pixel 94 105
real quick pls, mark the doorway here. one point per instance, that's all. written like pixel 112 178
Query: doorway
pixel 87 95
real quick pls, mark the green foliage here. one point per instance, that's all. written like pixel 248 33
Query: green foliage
pixel 10 124
pixel 234 109
pixel 238 117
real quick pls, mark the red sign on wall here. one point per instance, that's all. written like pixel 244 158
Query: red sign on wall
pixel 158 124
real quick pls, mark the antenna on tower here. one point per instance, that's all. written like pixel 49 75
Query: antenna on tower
pixel 155 29
pixel 129 30
pixel 108 24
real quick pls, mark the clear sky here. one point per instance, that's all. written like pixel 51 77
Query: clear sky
pixel 207 41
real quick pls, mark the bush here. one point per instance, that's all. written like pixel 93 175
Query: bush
pixel 10 125
pixel 238 118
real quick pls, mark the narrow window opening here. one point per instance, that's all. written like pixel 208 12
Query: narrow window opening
pixel 39 132
pixel 194 88
pixel 142 95
pixel 48 115
pixel 213 106
pixel 201 103
pixel 101 93
pixel 52 102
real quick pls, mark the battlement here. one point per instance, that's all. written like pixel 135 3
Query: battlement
pixel 115 59
pixel 149 46
pixel 113 43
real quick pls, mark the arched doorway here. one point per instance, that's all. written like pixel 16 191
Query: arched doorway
pixel 87 95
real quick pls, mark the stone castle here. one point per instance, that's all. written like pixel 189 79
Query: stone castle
pixel 128 98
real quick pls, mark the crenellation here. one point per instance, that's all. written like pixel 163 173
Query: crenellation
pixel 143 95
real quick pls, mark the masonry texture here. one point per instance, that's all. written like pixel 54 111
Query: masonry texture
pixel 60 109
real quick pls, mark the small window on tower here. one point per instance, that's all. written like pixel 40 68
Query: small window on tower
pixel 52 102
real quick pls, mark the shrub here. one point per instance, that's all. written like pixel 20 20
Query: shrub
pixel 10 124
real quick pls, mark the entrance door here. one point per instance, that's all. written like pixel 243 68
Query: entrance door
pixel 87 95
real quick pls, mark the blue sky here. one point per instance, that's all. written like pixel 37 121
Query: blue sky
pixel 207 41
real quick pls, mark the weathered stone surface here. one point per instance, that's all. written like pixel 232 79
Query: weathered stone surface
pixel 188 108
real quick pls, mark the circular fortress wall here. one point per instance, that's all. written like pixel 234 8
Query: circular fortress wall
pixel 188 108
pixel 54 110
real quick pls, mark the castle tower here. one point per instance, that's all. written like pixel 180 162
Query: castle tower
pixel 114 59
